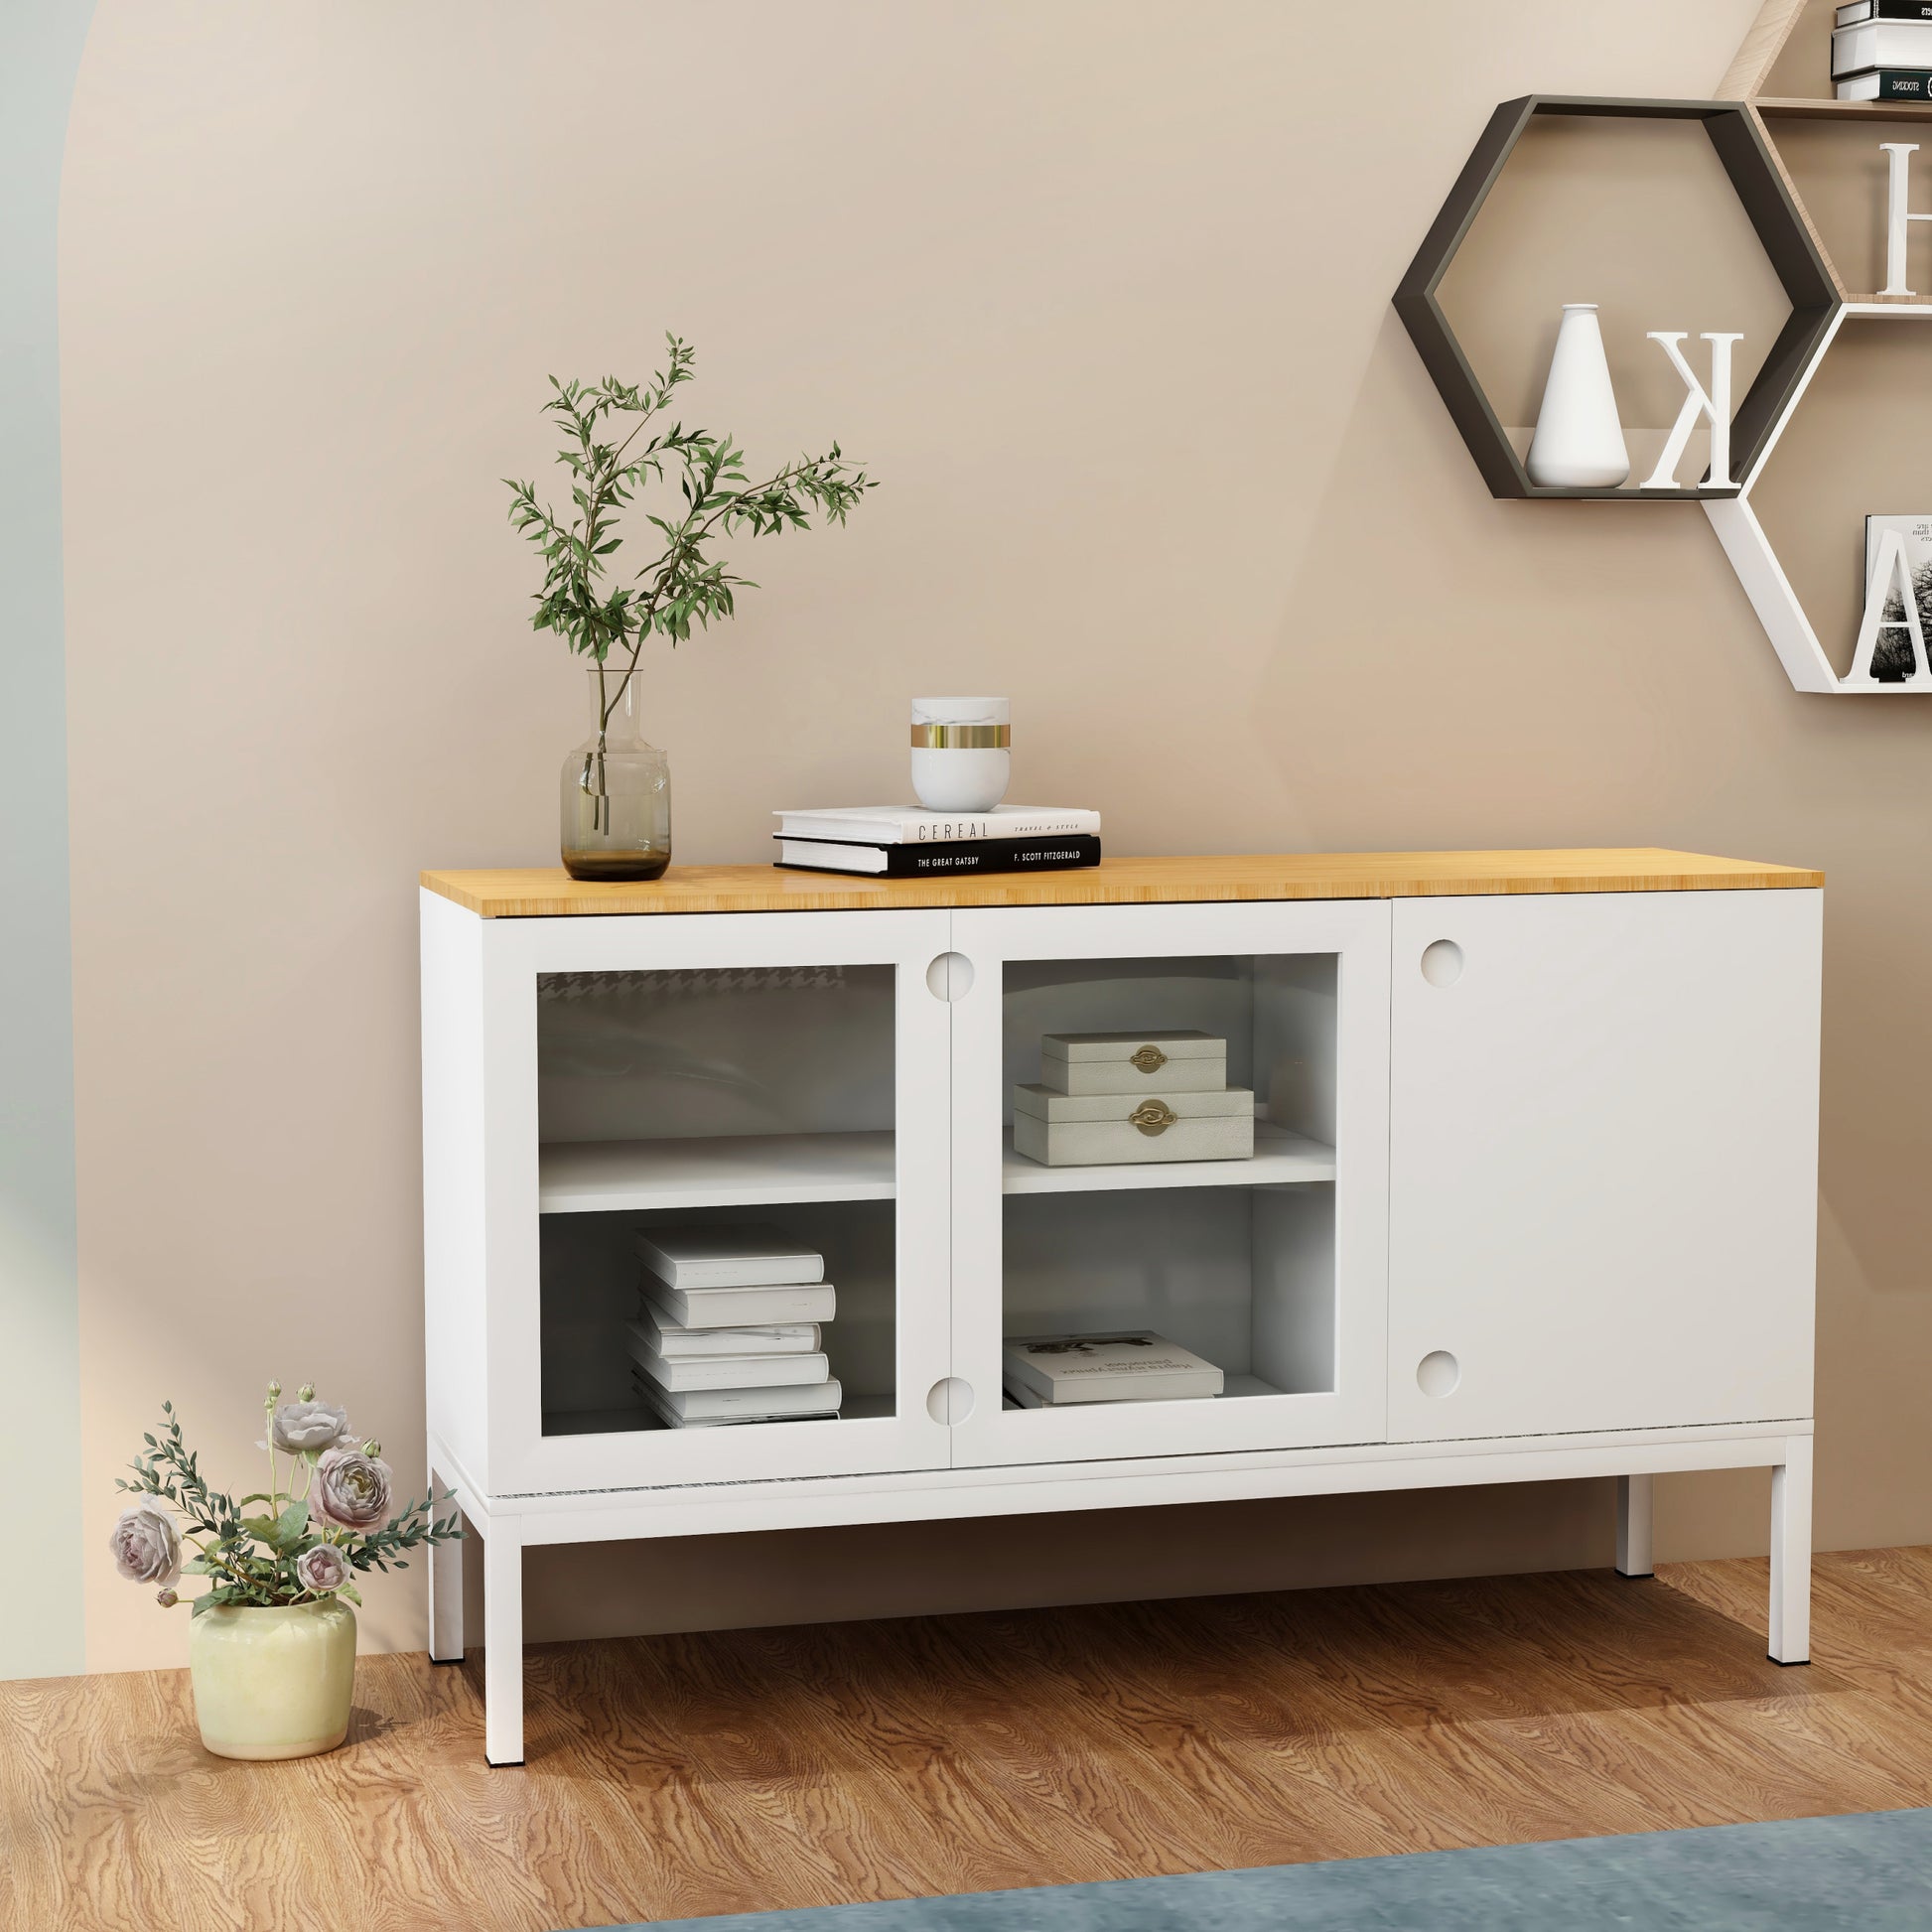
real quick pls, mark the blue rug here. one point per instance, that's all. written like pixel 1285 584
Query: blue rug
pixel 1871 1871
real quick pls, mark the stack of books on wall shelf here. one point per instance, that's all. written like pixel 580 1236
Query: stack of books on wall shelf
pixel 1055 1371
pixel 1881 49
pixel 730 1327
pixel 902 841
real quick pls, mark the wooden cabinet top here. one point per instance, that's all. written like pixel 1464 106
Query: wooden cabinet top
pixel 547 892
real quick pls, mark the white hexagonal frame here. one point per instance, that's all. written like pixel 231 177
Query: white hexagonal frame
pixel 1753 557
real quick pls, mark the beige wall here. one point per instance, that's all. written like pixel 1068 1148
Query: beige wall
pixel 1101 292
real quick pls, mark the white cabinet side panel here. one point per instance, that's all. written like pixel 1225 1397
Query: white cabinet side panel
pixel 453 1177
pixel 1604 1152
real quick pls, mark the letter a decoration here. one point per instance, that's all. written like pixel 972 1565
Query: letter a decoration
pixel 1891 572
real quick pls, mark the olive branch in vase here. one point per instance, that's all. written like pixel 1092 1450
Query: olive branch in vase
pixel 616 447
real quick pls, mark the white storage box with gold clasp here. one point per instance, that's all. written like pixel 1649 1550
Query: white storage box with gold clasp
pixel 1179 1062
pixel 1090 1129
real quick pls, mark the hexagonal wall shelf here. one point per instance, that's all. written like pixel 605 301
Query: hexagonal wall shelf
pixel 1774 596
pixel 1863 364
pixel 1832 354
pixel 1768 203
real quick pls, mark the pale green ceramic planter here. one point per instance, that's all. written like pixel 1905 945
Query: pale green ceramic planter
pixel 273 1682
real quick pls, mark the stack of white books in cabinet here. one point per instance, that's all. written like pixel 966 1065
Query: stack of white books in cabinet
pixel 730 1327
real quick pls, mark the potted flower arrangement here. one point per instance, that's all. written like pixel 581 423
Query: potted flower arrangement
pixel 272 1643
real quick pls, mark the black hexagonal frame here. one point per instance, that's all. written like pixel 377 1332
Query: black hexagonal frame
pixel 1768 205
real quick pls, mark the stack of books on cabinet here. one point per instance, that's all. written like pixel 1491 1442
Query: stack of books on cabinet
pixel 1881 49
pixel 730 1327
pixel 901 842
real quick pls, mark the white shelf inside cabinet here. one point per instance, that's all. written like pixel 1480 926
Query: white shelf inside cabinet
pixel 1279 1158
pixel 626 1422
pixel 731 1171
pixel 1247 1385
pixel 1236 1386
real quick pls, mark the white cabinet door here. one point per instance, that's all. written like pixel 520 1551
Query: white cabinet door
pixel 1602 1161
pixel 789 1069
pixel 1273 1269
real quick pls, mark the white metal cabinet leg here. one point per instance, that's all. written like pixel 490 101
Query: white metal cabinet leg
pixel 503 1642
pixel 445 1587
pixel 1791 1553
pixel 1633 1557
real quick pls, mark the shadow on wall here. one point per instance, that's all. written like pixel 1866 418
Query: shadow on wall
pixel 1456 671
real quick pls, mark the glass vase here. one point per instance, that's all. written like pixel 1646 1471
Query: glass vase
pixel 617 788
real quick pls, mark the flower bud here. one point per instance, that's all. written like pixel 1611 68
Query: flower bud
pixel 166 1598
pixel 372 1449
pixel 306 1392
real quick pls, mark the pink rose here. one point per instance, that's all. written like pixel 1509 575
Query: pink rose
pixel 351 1490
pixel 146 1545
pixel 321 1568
pixel 300 1425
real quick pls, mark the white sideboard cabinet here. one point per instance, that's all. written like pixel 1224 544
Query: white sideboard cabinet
pixel 1533 1191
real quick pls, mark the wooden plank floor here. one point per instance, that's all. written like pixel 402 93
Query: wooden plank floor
pixel 679 1776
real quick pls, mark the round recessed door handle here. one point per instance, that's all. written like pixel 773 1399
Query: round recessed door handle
pixel 1441 962
pixel 1438 1373
pixel 949 977
pixel 949 1401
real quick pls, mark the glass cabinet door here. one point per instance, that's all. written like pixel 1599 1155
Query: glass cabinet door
pixel 1269 1269
pixel 738 1081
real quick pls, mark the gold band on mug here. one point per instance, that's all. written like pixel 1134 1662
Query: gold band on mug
pixel 962 737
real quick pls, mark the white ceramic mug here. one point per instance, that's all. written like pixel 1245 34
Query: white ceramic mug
pixel 960 759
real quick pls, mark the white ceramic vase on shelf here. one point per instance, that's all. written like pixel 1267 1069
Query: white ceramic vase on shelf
pixel 1579 442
